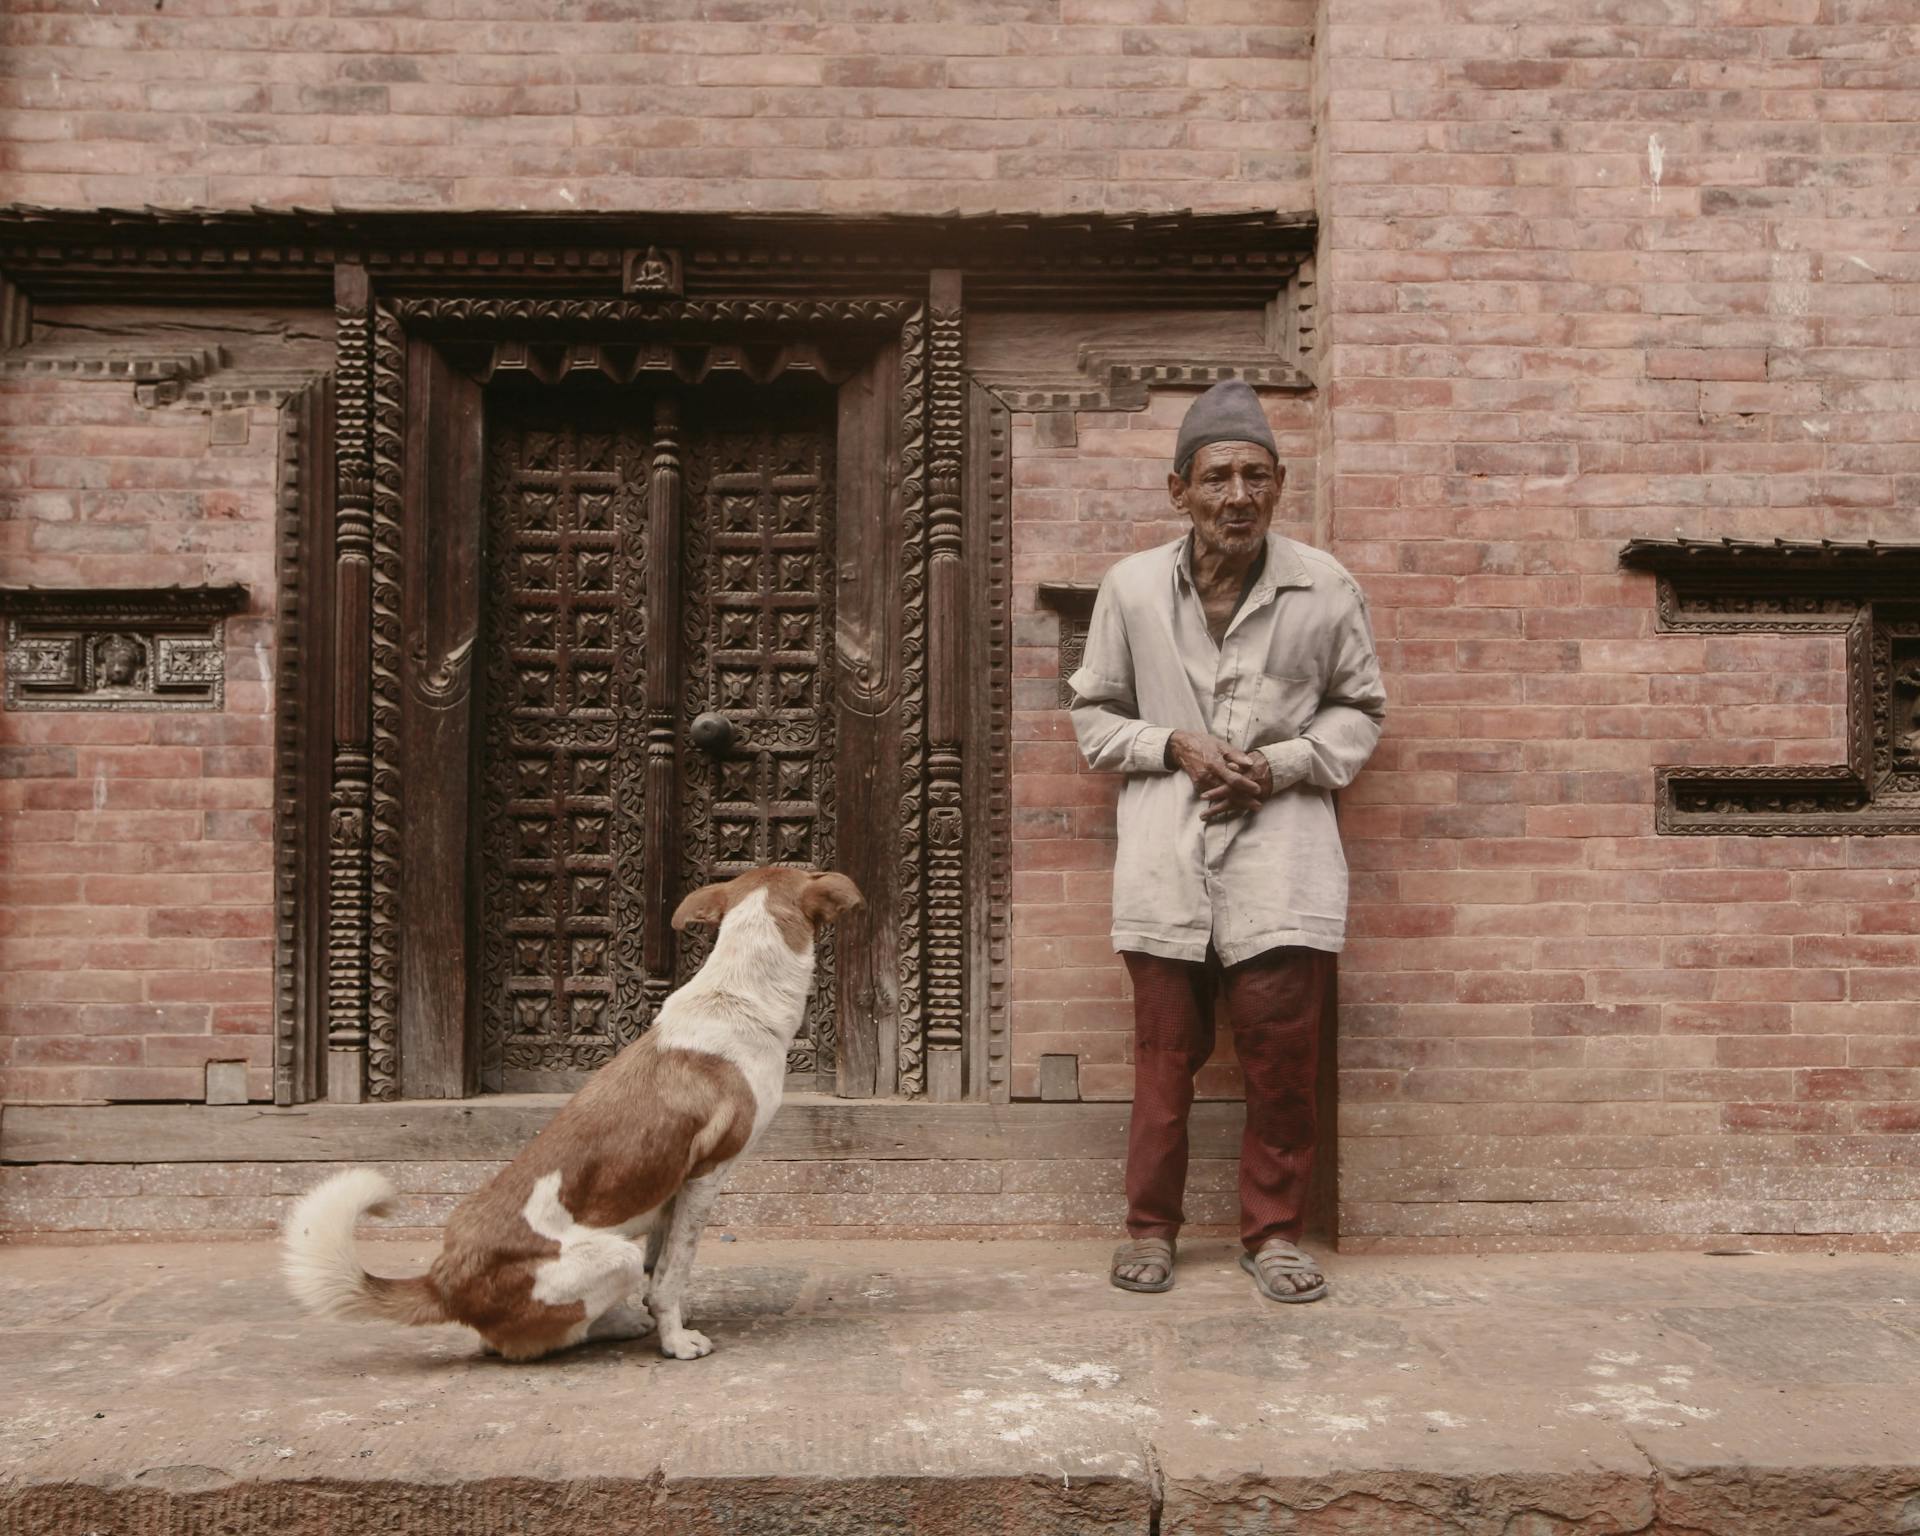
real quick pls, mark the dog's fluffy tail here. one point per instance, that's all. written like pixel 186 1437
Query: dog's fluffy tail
pixel 317 1256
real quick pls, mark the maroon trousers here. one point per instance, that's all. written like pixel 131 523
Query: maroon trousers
pixel 1274 1004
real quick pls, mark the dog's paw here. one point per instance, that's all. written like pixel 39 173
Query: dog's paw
pixel 685 1344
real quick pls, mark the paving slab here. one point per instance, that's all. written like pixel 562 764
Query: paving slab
pixel 991 1387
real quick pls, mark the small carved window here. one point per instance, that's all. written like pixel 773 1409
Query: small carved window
pixel 1868 592
pixel 1073 601
pixel 159 648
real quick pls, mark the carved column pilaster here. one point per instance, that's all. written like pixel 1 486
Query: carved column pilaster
pixel 662 688
pixel 909 926
pixel 946 695
pixel 352 764
pixel 388 426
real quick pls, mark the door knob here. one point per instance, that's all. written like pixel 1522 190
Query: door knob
pixel 712 733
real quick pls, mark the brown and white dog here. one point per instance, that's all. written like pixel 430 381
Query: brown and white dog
pixel 544 1256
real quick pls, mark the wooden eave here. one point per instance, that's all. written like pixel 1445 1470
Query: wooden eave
pixel 1008 260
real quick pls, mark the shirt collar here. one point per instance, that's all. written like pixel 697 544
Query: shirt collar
pixel 1284 568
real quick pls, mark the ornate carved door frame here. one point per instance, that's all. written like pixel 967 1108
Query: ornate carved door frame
pixel 337 843
pixel 409 463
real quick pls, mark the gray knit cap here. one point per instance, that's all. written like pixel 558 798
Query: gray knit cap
pixel 1228 413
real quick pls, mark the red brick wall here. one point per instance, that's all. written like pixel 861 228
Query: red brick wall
pixel 1075 511
pixel 1586 274
pixel 136 913
pixel 1590 282
pixel 869 105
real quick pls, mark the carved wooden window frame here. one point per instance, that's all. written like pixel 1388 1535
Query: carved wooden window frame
pixel 1870 593
pixel 55 638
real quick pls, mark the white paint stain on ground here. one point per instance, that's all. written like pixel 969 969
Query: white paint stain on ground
pixel 1337 1417
pixel 1077 1375
pixel 1638 1402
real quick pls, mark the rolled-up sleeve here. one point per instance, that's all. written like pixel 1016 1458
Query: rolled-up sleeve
pixel 1343 732
pixel 1106 712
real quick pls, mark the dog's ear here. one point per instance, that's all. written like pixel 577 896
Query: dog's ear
pixel 828 895
pixel 707 905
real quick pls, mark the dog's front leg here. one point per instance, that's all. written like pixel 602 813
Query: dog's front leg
pixel 668 1292
pixel 657 1237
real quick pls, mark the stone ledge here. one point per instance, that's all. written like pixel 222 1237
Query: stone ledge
pixel 808 1127
pixel 1004 1390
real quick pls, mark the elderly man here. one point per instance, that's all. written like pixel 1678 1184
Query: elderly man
pixel 1230 675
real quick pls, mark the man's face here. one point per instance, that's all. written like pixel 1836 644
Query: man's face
pixel 1230 492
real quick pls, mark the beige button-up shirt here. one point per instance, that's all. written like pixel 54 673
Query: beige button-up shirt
pixel 1295 679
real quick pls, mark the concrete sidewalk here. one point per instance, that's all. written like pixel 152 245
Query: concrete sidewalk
pixel 970 1388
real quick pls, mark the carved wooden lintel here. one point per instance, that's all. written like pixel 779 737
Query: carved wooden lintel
pixel 1117 378
pixel 1870 593
pixel 685 362
pixel 288 255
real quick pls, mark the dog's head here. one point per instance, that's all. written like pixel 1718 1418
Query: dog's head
pixel 798 900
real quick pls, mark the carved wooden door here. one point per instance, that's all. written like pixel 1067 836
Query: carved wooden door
pixel 652 561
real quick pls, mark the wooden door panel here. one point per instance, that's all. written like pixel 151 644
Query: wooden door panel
pixel 440 619
pixel 562 830
pixel 564 826
pixel 756 649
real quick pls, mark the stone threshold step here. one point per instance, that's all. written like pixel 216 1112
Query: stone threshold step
pixel 982 1388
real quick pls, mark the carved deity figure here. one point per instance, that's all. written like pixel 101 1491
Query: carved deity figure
pixel 653 273
pixel 118 661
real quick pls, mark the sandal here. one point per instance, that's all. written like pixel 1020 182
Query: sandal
pixel 1143 1250
pixel 1281 1257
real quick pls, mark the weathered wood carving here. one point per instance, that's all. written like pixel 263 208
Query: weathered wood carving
pixel 946 1004
pixel 303 720
pixel 1868 592
pixel 100 649
pixel 651 271
pixel 910 1070
pixel 383 926
pixel 988 499
pixel 1073 601
pixel 756 674
pixel 567 853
